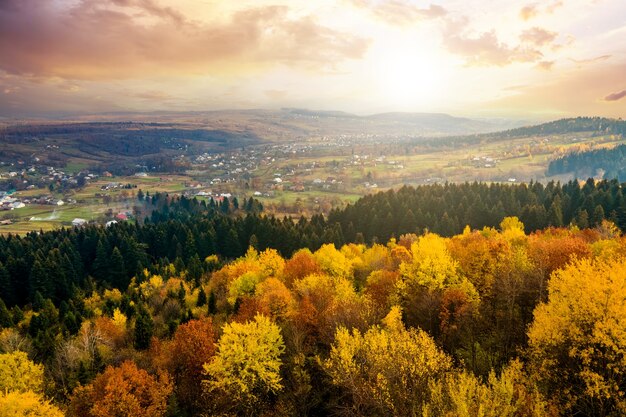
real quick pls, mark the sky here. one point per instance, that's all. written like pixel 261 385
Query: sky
pixel 490 58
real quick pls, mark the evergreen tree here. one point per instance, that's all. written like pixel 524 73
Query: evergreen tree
pixel 117 271
pixel 6 287
pixel 598 216
pixel 143 329
pixel 181 294
pixel 212 304
pixel 100 267
pixel 6 319
pixel 582 219
pixel 202 299
pixel 39 281
pixel 555 215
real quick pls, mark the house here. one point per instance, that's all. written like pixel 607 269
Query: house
pixel 5 222
pixel 77 222
pixel 111 223
pixel 121 216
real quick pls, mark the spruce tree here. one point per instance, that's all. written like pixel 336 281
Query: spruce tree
pixel 143 329
pixel 202 300
pixel 6 287
pixel 212 304
pixel 101 263
pixel 6 320
pixel 39 281
pixel 117 270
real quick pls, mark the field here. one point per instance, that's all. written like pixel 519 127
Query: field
pixel 307 174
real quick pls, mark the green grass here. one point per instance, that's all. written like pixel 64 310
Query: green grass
pixel 75 166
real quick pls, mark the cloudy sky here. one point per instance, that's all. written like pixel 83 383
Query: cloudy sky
pixel 487 58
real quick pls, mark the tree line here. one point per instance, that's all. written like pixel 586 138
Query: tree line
pixel 447 208
pixel 185 231
pixel 611 163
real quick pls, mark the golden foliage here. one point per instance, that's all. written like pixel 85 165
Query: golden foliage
pixel 386 371
pixel 333 262
pixel 247 362
pixel 509 395
pixel 26 404
pixel 18 373
pixel 275 298
pixel 577 342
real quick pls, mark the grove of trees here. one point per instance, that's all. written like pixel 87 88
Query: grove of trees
pixel 217 309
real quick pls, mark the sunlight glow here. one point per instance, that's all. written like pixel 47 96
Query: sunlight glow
pixel 406 77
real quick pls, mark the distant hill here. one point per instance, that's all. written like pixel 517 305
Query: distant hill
pixel 593 125
pixel 289 123
pixel 579 124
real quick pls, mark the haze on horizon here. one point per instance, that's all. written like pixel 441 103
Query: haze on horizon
pixel 489 58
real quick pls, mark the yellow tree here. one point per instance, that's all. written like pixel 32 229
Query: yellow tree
pixel 333 262
pixel 424 278
pixel 18 373
pixel 511 394
pixel 577 342
pixel 275 298
pixel 26 404
pixel 246 366
pixel 386 371
pixel 331 302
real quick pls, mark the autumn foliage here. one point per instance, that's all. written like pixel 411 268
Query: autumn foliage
pixel 490 322
pixel 123 391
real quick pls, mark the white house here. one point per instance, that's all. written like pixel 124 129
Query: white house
pixel 79 222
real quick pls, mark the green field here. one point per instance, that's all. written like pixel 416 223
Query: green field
pixel 523 158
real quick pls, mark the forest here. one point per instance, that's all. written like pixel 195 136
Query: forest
pixel 609 162
pixel 593 125
pixel 444 300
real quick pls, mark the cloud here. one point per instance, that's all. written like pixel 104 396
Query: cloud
pixel 533 10
pixel 400 12
pixel 28 97
pixel 276 94
pixel 528 12
pixel 485 49
pixel 573 93
pixel 591 60
pixel 109 39
pixel 615 96
pixel 152 95
pixel 550 8
pixel 545 65
pixel 538 36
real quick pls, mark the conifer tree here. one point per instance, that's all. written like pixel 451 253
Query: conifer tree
pixel 143 329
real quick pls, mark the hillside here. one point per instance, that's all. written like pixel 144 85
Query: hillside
pixel 596 126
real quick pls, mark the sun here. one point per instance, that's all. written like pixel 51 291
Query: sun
pixel 408 77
